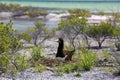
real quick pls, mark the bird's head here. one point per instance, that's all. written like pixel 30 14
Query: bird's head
pixel 60 40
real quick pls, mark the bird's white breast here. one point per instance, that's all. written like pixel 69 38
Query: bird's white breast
pixel 61 59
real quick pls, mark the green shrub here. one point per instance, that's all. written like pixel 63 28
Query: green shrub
pixel 80 12
pixel 107 55
pixel 67 68
pixel 4 62
pixel 117 44
pixel 23 9
pixel 20 63
pixel 9 42
pixel 77 74
pixel 59 70
pixel 34 13
pixel 39 67
pixel 71 67
pixel 100 32
pixel 5 33
pixel 36 53
pixel 87 59
pixel 25 36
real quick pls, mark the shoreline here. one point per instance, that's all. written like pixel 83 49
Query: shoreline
pixel 51 19
pixel 49 15
pixel 106 6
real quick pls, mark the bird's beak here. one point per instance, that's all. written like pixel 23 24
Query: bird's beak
pixel 56 41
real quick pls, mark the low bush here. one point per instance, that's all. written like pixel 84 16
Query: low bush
pixel 36 53
pixel 4 62
pixel 117 44
pixel 59 70
pixel 21 63
pixel 77 74
pixel 87 59
pixel 67 68
pixel 107 55
pixel 39 67
pixel 35 13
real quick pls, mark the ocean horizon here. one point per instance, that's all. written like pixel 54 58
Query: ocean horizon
pixel 96 5
pixel 62 0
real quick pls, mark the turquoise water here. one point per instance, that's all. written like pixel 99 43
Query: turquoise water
pixel 23 25
pixel 91 5
pixel 19 25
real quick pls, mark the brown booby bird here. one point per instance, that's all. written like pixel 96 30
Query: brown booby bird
pixel 62 54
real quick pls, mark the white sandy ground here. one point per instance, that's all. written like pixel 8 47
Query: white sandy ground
pixel 94 19
pixel 94 74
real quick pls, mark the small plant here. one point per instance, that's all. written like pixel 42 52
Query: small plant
pixel 4 62
pixel 59 70
pixel 66 68
pixel 106 55
pixel 87 59
pixel 71 67
pixel 34 13
pixel 39 67
pixel 77 74
pixel 36 53
pixel 76 66
pixel 20 63
pixel 117 44
pixel 116 72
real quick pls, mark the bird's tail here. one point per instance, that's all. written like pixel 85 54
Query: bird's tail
pixel 73 48
pixel 73 51
pixel 69 56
